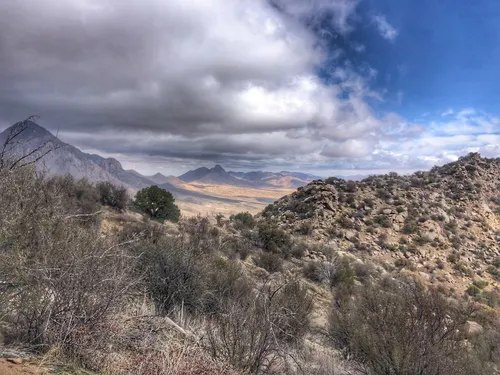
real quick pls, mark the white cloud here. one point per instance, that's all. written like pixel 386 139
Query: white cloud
pixel 385 29
pixel 467 131
pixel 231 78
pixel 232 81
pixel 341 10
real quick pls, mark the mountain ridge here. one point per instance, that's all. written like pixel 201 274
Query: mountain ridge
pixel 443 224
pixel 252 179
pixel 203 196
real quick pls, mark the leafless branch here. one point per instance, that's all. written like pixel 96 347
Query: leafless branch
pixel 38 152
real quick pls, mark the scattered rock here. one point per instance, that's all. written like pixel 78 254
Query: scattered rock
pixel 16 361
pixel 473 328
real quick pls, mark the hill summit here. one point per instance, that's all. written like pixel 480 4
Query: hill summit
pixel 442 221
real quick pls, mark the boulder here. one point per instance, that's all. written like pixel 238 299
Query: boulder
pixel 16 361
pixel 350 235
pixel 472 328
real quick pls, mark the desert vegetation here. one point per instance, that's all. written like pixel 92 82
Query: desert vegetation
pixel 84 280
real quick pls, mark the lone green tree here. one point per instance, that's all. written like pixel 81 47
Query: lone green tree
pixel 158 203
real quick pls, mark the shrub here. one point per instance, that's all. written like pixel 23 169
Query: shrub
pixel 410 227
pixel 369 202
pixel 273 238
pixel 241 246
pixel 78 197
pixel 420 240
pixel 383 220
pixel 113 196
pixel 491 298
pixel 453 258
pixel 64 280
pixel 252 329
pixel 440 264
pixel 311 271
pixel 305 228
pixel 343 273
pixel 177 271
pixel 243 220
pixel 463 268
pixel 403 263
pixel 400 327
pixel 269 261
pixel 493 270
pixel 345 223
pixel 364 271
pixel 473 291
pixel 158 203
pixel 299 249
pixel 481 284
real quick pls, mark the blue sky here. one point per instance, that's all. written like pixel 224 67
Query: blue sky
pixel 446 54
pixel 324 86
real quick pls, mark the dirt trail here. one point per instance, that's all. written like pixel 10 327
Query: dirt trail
pixel 26 368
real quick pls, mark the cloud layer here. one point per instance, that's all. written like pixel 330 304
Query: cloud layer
pixel 232 81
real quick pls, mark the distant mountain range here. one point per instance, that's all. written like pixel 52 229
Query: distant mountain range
pixel 65 159
pixel 256 179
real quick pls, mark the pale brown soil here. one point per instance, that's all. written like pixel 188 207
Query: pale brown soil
pixel 26 368
pixel 246 199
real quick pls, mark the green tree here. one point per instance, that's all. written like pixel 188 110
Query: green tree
pixel 158 203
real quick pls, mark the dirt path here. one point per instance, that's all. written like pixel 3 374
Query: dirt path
pixel 25 368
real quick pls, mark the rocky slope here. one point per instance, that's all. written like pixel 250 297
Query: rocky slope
pixel 443 223
pixel 65 159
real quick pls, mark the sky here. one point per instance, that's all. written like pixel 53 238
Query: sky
pixel 322 86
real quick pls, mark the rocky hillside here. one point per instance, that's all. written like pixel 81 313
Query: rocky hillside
pixel 64 159
pixel 444 223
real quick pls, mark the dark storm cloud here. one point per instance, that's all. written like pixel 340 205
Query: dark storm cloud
pixel 231 79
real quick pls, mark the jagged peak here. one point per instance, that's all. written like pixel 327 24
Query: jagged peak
pixel 218 169
pixel 31 130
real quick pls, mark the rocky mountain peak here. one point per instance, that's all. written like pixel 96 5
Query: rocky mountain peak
pixel 32 132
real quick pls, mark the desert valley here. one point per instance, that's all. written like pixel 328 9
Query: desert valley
pixel 201 191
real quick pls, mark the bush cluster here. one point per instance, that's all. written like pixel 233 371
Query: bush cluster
pixel 400 327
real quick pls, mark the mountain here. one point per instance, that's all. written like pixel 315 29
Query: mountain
pixel 198 191
pixel 159 178
pixel 300 175
pixel 282 179
pixel 65 159
pixel 194 175
pixel 443 223
pixel 254 179
pixel 216 176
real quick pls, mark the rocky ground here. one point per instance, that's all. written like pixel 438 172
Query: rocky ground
pixel 443 224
